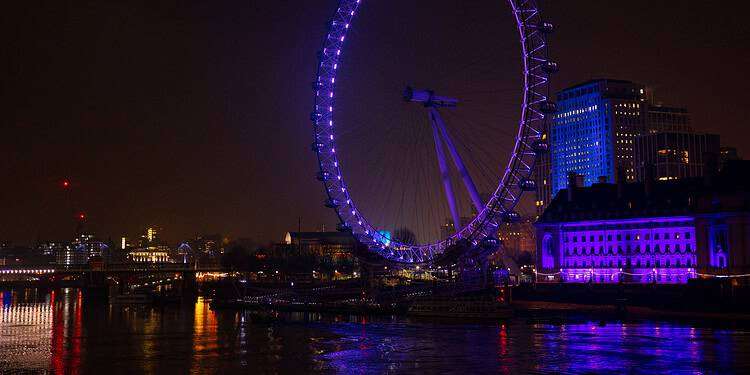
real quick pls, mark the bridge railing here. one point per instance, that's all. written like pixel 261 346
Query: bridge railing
pixel 112 267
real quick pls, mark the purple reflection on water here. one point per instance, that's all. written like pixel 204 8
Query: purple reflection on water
pixel 521 347
pixel 57 332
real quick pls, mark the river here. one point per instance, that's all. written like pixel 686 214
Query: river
pixel 60 332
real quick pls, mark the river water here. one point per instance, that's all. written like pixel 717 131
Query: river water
pixel 59 332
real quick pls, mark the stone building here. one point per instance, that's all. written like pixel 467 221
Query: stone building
pixel 655 231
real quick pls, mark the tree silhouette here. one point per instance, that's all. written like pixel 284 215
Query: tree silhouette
pixel 405 236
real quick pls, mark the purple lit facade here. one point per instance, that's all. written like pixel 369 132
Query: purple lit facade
pixel 646 250
pixel 654 232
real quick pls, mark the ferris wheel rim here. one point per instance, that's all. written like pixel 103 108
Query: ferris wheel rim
pixel 532 33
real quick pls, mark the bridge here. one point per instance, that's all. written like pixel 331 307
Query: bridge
pixel 113 268
pixel 96 279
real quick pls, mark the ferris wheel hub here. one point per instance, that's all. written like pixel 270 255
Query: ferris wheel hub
pixel 428 98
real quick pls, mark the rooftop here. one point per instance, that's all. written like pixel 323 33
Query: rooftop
pixel 729 190
pixel 600 80
pixel 319 237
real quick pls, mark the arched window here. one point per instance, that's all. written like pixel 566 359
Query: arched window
pixel 547 244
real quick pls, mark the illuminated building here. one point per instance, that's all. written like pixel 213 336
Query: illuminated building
pixel 151 234
pixel 209 245
pixel 149 255
pixel 668 119
pixel 332 244
pixel 517 238
pixel 50 248
pixel 674 155
pixel 594 130
pixel 655 231
pixel 84 247
pixel 72 255
pixel 335 249
pixel 150 250
pixel 542 173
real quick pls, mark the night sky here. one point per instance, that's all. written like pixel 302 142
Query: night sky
pixel 195 117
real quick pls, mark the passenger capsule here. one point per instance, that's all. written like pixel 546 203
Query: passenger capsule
pixel 331 203
pixel 527 185
pixel 540 147
pixel 511 217
pixel 548 107
pixel 489 242
pixel 550 67
pixel 544 27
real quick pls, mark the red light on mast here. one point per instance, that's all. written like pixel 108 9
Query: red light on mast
pixel 65 184
pixel 81 216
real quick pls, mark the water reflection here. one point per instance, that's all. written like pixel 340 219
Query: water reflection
pixel 60 332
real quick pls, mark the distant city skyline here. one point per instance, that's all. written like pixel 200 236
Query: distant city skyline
pixel 194 118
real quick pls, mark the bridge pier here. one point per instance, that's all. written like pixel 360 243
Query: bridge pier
pixel 189 286
pixel 95 286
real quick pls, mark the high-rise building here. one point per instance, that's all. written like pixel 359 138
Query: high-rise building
pixel 594 130
pixel 542 173
pixel 151 235
pixel 50 248
pixel 674 155
pixel 668 119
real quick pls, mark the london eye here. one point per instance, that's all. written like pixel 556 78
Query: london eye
pixel 491 203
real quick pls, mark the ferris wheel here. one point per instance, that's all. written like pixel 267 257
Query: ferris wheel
pixel 495 208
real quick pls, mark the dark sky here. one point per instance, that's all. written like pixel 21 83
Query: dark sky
pixel 194 116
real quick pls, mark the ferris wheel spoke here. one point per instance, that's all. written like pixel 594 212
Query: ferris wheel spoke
pixel 399 169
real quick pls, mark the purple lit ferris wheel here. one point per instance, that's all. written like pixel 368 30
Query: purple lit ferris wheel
pixel 488 213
